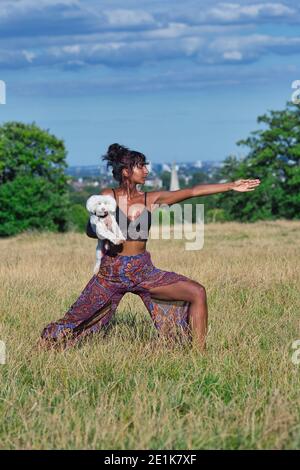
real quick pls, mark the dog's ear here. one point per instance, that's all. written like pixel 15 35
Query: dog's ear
pixel 109 198
pixel 92 202
pixel 111 203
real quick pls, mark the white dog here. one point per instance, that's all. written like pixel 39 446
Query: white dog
pixel 102 217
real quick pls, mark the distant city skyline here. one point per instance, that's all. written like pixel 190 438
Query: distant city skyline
pixel 173 80
pixel 183 169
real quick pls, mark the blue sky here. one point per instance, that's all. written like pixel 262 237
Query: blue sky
pixel 175 80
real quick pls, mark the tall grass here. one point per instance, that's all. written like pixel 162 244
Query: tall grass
pixel 129 390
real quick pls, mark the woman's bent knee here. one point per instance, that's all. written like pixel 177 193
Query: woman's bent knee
pixel 196 292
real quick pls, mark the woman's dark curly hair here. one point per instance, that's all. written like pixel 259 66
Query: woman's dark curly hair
pixel 119 157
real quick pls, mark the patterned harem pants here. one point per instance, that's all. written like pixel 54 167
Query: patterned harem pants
pixel 98 301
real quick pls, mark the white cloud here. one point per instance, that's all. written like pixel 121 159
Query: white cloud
pixel 233 55
pixel 122 17
pixel 9 7
pixel 192 45
pixel 252 42
pixel 230 13
pixel 86 33
pixel 202 50
pixel 250 48
pixel 235 11
pixel 179 29
pixel 172 30
pixel 29 56
pixel 74 49
pixel 171 42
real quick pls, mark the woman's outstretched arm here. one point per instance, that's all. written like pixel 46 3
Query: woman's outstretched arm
pixel 171 197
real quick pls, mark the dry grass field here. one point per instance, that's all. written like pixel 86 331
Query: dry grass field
pixel 129 390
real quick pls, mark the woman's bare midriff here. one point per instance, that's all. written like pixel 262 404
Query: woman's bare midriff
pixel 131 248
pixel 128 248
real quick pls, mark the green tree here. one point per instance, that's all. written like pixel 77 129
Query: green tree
pixel 78 217
pixel 33 185
pixel 274 158
pixel 80 197
pixel 166 180
pixel 198 178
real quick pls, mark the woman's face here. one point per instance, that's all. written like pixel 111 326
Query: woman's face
pixel 139 173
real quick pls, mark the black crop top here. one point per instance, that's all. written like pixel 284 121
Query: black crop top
pixel 140 225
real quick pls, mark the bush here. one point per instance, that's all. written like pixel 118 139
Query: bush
pixel 78 218
pixel 216 215
pixel 31 203
pixel 33 184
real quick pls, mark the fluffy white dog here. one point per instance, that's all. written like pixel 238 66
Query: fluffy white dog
pixel 103 221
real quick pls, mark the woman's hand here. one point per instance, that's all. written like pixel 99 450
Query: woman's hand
pixel 119 242
pixel 245 185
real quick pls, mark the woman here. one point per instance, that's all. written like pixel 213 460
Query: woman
pixel 175 302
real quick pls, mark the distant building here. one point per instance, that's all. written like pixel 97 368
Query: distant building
pixel 187 178
pixel 155 183
pixel 166 167
pixel 77 186
pixel 174 183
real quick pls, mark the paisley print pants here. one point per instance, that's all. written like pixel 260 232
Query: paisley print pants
pixel 98 301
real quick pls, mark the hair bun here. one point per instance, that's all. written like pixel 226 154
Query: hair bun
pixel 116 150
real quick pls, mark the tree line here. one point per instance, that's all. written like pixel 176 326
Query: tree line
pixel 35 194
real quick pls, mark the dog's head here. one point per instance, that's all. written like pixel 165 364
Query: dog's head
pixel 101 205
